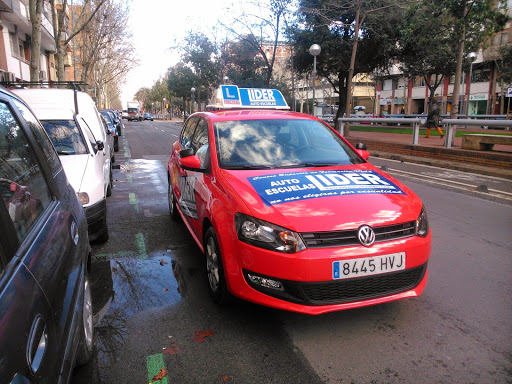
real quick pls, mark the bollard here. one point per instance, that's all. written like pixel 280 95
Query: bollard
pixel 342 128
pixel 415 133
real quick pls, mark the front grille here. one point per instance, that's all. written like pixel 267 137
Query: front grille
pixel 362 288
pixel 349 237
pixel 346 290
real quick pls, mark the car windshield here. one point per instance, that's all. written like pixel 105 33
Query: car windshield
pixel 280 143
pixel 65 136
pixel 107 116
pixel 133 110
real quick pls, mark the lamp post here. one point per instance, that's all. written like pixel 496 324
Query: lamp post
pixel 471 56
pixel 192 97
pixel 152 107
pixel 315 50
pixel 163 108
pixel 226 79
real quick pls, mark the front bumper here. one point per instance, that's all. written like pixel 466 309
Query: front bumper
pixel 95 218
pixel 306 277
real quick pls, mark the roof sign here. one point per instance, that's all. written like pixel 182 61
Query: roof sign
pixel 230 96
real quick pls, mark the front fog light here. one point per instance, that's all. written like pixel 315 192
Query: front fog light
pixel 422 223
pixel 265 282
pixel 83 197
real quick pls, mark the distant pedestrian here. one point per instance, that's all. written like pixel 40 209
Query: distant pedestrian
pixel 433 120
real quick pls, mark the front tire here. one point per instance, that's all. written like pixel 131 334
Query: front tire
pixel 85 346
pixel 173 209
pixel 217 287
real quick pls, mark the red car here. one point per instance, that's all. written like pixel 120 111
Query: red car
pixel 291 216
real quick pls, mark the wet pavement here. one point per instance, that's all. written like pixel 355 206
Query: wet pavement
pixel 151 306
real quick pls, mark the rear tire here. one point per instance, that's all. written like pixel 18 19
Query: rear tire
pixel 86 345
pixel 104 236
pixel 217 287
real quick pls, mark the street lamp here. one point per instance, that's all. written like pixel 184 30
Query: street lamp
pixel 226 79
pixel 152 107
pixel 471 56
pixel 163 108
pixel 315 50
pixel 192 96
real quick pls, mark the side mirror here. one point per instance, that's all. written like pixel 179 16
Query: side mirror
pixel 364 154
pixel 361 146
pixel 100 145
pixel 192 163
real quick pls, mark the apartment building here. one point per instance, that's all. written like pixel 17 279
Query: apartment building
pixel 15 42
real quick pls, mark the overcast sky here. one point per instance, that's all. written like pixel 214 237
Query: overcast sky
pixel 156 25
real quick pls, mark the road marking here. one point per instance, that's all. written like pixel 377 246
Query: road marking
pixel 140 241
pixel 129 178
pixel 423 178
pixel 172 134
pixel 438 168
pixel 133 201
pixel 154 363
pixel 449 181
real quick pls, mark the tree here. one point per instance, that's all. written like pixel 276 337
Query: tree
pixel 59 12
pixel 473 21
pixel 35 9
pixel 504 64
pixel 200 54
pixel 427 47
pixel 355 36
pixel 181 79
pixel 242 63
pixel 260 25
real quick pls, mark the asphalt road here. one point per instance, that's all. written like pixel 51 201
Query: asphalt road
pixel 153 311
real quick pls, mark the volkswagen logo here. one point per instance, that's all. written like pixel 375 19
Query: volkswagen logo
pixel 366 235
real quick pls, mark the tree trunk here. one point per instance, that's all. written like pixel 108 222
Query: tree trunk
pixel 458 72
pixel 351 71
pixel 36 8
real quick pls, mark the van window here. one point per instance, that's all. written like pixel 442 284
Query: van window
pixel 40 135
pixel 65 136
pixel 23 187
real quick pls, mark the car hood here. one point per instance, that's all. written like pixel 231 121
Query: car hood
pixel 74 166
pixel 325 199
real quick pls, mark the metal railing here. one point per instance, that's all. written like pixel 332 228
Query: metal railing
pixel 451 126
pixel 415 122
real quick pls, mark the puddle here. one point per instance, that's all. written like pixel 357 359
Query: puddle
pixel 125 285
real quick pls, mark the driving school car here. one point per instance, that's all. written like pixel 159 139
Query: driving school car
pixel 289 214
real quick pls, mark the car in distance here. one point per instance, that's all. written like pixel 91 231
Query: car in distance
pixel 289 214
pixel 84 146
pixel 45 296
pixel 148 116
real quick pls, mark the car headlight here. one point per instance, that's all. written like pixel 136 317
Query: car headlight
pixel 422 223
pixel 83 197
pixel 266 235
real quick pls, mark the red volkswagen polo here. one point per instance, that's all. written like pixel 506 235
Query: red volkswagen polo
pixel 289 214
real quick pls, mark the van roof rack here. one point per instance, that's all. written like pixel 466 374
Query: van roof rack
pixel 76 85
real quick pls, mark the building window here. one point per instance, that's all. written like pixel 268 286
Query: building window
pixel 481 75
pixel 419 81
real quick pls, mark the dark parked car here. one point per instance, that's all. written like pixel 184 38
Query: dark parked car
pixel 112 127
pixel 148 116
pixel 45 297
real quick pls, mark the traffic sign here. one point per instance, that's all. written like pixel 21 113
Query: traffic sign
pixel 509 92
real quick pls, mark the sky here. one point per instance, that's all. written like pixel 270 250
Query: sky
pixel 155 26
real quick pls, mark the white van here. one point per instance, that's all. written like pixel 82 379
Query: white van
pixel 73 124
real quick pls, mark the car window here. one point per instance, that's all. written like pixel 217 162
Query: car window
pixel 40 135
pixel 22 184
pixel 65 136
pixel 188 132
pixel 200 142
pixel 280 143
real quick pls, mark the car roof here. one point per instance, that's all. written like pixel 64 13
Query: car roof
pixel 254 114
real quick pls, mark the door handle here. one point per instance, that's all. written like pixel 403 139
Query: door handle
pixel 37 343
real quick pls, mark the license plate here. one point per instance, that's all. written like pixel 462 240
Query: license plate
pixel 367 266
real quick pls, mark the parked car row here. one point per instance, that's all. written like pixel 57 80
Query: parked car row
pixel 52 202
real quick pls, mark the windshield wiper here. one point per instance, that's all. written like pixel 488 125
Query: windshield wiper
pixel 236 167
pixel 305 165
pixel 63 153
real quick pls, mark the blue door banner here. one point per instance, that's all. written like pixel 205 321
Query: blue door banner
pixel 294 186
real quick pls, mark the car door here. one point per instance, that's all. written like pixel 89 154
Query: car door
pixel 40 272
pixel 199 193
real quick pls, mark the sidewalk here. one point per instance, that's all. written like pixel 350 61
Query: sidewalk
pixel 431 151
